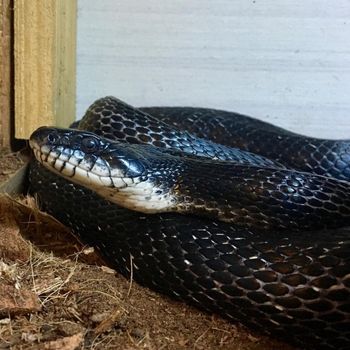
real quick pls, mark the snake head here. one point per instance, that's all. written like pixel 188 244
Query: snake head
pixel 117 171
pixel 59 148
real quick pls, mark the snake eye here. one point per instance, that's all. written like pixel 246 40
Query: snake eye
pixel 89 144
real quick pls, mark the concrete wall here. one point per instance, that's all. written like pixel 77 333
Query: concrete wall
pixel 287 61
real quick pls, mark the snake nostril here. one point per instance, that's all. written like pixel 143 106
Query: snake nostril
pixel 65 140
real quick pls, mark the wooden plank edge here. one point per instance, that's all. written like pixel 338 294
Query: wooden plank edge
pixel 6 72
pixel 45 60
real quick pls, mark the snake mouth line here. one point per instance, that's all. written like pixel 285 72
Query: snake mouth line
pixel 71 167
pixel 132 193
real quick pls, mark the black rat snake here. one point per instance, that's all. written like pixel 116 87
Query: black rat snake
pixel 266 242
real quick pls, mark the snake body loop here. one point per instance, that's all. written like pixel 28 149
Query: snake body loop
pixel 320 156
pixel 290 279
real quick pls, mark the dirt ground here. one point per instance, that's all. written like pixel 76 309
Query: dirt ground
pixel 56 293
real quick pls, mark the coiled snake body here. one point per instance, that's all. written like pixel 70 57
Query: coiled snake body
pixel 253 241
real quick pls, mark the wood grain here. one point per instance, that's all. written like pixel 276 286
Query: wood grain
pixel 6 84
pixel 45 37
pixel 287 62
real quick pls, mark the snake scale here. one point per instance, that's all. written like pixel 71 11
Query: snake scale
pixel 261 239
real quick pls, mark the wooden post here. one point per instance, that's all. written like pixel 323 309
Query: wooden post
pixel 45 59
pixel 6 69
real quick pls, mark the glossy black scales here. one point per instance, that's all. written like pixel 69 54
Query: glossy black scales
pixel 292 286
pixel 116 120
pixel 244 195
pixel 320 156
pixel 264 198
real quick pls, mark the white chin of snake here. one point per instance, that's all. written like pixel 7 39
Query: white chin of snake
pixel 130 193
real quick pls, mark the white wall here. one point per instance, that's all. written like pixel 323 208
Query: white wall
pixel 284 61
